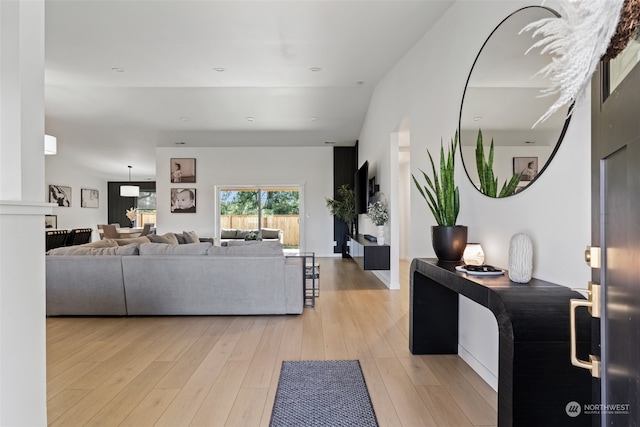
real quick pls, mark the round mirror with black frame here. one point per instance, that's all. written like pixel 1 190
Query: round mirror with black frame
pixel 502 101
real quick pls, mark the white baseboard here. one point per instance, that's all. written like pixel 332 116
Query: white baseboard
pixel 488 376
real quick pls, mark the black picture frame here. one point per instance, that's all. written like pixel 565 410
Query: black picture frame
pixel 60 194
pixel 50 222
pixel 183 200
pixel 528 166
pixel 182 170
pixel 89 198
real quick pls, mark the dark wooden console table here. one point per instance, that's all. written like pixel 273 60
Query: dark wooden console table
pixel 536 380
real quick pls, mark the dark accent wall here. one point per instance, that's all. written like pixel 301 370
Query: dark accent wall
pixel 345 161
pixel 118 205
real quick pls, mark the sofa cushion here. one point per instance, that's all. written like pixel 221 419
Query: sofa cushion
pixel 190 237
pixel 81 250
pixel 247 248
pixel 164 249
pixel 241 234
pixel 104 243
pixel 168 238
pixel 228 233
pixel 127 241
pixel 270 233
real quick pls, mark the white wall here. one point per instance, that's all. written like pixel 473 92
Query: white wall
pixel 425 89
pixel 23 392
pixel 58 172
pixel 310 167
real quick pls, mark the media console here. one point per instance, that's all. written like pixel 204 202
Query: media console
pixel 369 255
pixel 536 380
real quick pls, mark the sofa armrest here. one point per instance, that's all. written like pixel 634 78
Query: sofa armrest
pixel 294 284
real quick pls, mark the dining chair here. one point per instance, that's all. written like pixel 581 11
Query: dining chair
pixel 146 229
pixel 110 231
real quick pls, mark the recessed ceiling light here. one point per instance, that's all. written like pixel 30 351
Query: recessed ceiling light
pixel 219 69
pixel 180 143
pixel 314 119
pixel 477 118
pixel 118 69
pixel 315 69
pixel 250 119
pixel 184 119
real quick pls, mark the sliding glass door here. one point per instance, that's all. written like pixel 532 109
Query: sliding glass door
pixel 267 210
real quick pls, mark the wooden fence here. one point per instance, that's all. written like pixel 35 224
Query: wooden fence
pixel 289 224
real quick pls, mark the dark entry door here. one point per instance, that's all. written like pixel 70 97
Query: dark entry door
pixel 615 158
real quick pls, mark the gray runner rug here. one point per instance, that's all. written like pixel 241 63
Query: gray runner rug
pixel 322 393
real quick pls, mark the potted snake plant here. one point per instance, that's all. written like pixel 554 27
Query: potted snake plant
pixel 443 198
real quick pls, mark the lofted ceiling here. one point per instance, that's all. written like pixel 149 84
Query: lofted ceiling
pixel 125 76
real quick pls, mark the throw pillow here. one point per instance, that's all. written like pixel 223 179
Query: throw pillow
pixel 228 233
pixel 163 249
pixel 190 237
pixel 137 240
pixel 104 243
pixel 241 234
pixel 168 238
pixel 180 238
pixel 270 233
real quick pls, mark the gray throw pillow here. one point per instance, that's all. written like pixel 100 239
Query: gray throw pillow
pixel 241 234
pixel 190 237
pixel 167 238
pixel 164 249
pixel 270 233
pixel 228 233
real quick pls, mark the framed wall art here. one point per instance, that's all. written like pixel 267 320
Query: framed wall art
pixel 60 194
pixel 183 170
pixel 50 221
pixel 89 198
pixel 528 166
pixel 183 200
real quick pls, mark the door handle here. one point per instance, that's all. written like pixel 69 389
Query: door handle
pixel 594 306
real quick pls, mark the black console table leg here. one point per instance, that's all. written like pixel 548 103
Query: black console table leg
pixel 433 320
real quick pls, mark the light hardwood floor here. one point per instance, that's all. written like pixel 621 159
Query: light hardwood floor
pixel 223 371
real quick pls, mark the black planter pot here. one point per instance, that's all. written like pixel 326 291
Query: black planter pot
pixel 449 242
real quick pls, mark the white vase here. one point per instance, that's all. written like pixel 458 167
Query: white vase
pixel 380 236
pixel 520 258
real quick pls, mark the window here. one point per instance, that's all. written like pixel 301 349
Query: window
pixel 257 208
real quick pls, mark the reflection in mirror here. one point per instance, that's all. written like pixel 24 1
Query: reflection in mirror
pixel 502 99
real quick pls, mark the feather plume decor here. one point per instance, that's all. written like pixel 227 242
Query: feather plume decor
pixel 576 40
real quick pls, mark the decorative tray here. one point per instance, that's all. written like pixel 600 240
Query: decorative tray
pixel 481 270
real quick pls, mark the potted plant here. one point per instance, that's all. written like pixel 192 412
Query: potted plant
pixel 488 181
pixel 443 198
pixel 379 215
pixel 344 207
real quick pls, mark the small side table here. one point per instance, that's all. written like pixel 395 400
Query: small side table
pixel 311 278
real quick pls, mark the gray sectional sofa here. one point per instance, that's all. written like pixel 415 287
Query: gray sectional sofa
pixel 144 278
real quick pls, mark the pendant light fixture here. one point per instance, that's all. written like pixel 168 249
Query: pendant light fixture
pixel 129 190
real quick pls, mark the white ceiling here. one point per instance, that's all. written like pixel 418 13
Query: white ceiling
pixel 169 91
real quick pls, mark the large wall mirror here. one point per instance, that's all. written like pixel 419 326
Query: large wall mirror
pixel 502 99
